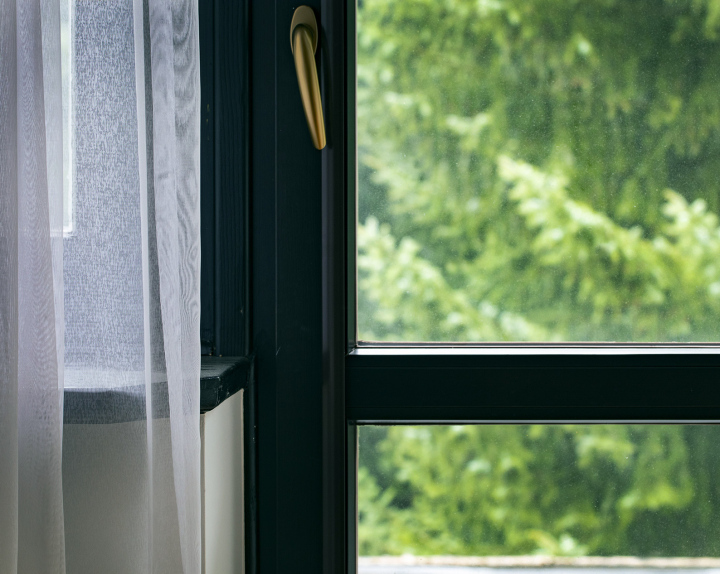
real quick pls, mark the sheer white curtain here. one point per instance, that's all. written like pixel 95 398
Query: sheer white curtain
pixel 99 286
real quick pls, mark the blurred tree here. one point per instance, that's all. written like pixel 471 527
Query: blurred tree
pixel 516 162
pixel 539 170
pixel 561 490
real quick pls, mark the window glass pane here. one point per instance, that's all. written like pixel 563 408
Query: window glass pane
pixel 538 170
pixel 103 246
pixel 600 496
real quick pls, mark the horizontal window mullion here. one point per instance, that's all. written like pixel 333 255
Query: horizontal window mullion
pixel 445 388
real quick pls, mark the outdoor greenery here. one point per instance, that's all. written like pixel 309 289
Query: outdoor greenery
pixel 561 490
pixel 539 170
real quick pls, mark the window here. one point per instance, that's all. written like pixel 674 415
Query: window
pixel 505 194
pixel 316 383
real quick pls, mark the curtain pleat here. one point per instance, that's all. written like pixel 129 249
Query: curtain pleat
pixel 107 300
pixel 32 532
pixel 176 151
pixel 8 288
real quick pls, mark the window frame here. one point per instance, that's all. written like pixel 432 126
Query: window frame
pixel 224 41
pixel 316 382
pixel 224 178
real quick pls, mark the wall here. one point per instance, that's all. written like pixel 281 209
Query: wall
pixel 105 479
pixel 223 488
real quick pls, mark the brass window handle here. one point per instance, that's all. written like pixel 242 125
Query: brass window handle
pixel 303 41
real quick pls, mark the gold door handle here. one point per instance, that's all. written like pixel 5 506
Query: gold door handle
pixel 303 41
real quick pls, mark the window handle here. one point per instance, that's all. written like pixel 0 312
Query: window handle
pixel 303 41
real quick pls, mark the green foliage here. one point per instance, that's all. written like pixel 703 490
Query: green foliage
pixel 539 170
pixel 572 272
pixel 562 490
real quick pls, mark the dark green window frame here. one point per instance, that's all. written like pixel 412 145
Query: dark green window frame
pixel 315 382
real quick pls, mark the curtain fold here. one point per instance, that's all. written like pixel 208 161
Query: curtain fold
pixel 176 150
pixel 99 285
